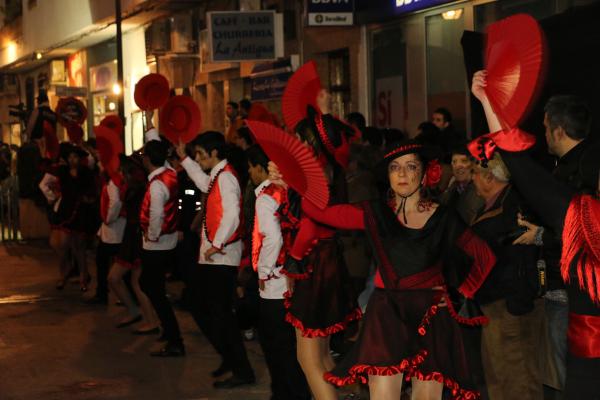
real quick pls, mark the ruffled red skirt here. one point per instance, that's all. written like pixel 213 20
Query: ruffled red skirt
pixel 404 334
pixel 325 302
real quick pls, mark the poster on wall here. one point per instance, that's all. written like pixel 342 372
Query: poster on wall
pixel 389 102
pixel 244 35
pixel 103 76
pixel 76 67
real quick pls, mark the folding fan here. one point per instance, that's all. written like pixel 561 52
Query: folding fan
pixel 113 122
pixel 180 119
pixel 109 147
pixel 152 91
pixel 301 91
pixel 299 167
pixel 514 58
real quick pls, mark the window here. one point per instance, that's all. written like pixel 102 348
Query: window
pixel 389 72
pixel 339 81
pixel 446 79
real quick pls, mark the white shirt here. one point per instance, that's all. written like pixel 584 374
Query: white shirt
pixel 230 203
pixel 151 134
pixel 111 231
pixel 159 194
pixel 270 228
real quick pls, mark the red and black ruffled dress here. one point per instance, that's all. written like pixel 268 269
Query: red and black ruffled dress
pixel 131 247
pixel 405 331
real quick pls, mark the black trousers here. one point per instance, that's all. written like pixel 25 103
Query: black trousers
pixel 212 289
pixel 278 341
pixel 155 265
pixel 105 252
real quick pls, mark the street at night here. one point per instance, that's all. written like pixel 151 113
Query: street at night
pixel 52 346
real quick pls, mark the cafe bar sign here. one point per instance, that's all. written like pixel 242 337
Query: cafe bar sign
pixel 245 35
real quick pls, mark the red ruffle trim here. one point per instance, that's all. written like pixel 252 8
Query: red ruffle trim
pixel 410 368
pixel 128 264
pixel 360 372
pixel 451 384
pixel 317 332
pixel 481 320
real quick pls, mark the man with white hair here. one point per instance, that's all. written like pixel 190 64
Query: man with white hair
pixel 511 340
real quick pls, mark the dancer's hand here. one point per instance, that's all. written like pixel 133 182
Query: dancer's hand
pixel 479 84
pixel 274 174
pixel 180 149
pixel 291 284
pixel 211 252
pixel 529 236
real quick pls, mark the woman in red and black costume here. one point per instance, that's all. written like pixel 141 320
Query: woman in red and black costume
pixel 133 187
pixel 577 216
pixel 321 300
pixel 70 189
pixel 411 327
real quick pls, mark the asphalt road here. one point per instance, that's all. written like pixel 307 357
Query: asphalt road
pixel 52 346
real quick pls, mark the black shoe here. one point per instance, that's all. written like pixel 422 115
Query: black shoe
pixel 153 331
pixel 222 370
pixel 170 350
pixel 129 322
pixel 96 300
pixel 234 382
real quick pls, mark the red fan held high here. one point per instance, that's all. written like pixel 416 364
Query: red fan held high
pixel 152 91
pixel 299 167
pixel 301 91
pixel 514 62
pixel 180 119
pixel 109 146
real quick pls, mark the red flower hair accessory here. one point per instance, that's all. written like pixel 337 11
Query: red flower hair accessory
pixel 433 173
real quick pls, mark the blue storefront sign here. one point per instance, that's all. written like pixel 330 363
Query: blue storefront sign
pixel 373 11
pixel 330 12
pixel 406 6
pixel 269 87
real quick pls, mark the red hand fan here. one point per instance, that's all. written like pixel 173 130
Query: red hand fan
pixel 113 122
pixel 180 119
pixel 152 91
pixel 299 167
pixel 514 59
pixel 301 91
pixel 109 147
pixel 258 112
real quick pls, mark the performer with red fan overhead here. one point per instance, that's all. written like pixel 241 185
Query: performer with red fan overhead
pixel 411 327
pixel 572 214
pixel 212 282
pixel 322 301
pixel 271 238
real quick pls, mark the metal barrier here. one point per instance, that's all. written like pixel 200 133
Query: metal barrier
pixel 9 209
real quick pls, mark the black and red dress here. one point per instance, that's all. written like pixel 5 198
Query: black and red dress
pixel 323 301
pixel 405 331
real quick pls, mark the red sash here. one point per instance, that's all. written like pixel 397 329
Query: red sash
pixel 584 335
pixel 279 194
pixel 169 178
pixel 214 209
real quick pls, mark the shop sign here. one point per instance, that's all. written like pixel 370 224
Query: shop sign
pixel 244 35
pixel 71 91
pixel 269 87
pixel 330 12
pixel 389 103
pixel 405 6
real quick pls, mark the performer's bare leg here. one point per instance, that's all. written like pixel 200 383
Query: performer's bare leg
pixel 426 390
pixel 385 387
pixel 310 356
